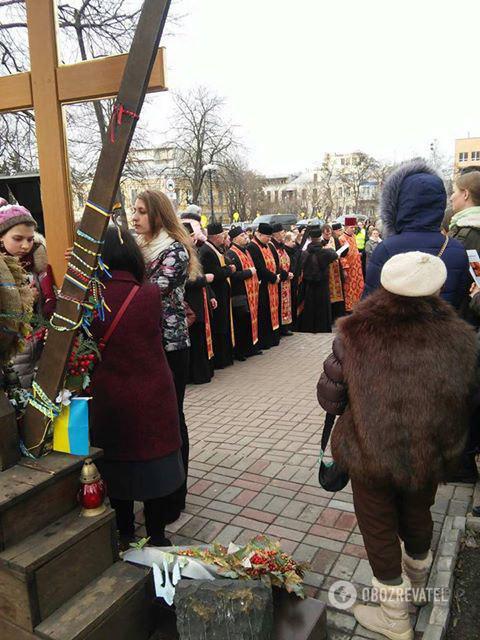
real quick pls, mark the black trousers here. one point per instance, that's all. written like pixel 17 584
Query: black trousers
pixel 243 333
pixel 200 367
pixel 384 515
pixel 179 365
pixel 155 511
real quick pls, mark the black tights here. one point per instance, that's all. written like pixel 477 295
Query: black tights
pixel 179 365
pixel 154 511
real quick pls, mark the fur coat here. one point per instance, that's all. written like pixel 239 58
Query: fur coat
pixel 401 374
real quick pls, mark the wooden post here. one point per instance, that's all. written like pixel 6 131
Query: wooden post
pixel 50 131
pixel 101 198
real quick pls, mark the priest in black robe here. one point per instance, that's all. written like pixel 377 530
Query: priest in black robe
pixel 314 310
pixel 268 301
pixel 212 257
pixel 244 295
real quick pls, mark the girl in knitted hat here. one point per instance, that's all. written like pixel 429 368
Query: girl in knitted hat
pixel 18 238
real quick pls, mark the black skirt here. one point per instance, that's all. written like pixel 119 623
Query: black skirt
pixel 145 480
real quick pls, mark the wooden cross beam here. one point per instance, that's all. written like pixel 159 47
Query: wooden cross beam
pixel 96 216
pixel 46 88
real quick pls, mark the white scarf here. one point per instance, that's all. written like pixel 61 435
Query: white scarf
pixel 154 247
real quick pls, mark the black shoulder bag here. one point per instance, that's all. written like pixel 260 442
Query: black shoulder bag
pixel 330 476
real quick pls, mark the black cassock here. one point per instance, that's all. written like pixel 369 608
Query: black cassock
pixel 267 337
pixel 221 317
pixel 295 254
pixel 200 367
pixel 314 292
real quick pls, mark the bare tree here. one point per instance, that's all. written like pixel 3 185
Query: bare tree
pixel 355 174
pixel 241 187
pixel 87 29
pixel 200 136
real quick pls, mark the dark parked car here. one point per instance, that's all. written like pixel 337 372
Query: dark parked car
pixel 287 219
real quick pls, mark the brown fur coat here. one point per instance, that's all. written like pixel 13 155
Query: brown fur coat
pixel 409 367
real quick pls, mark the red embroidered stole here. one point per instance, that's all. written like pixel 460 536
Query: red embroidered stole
pixel 286 287
pixel 352 269
pixel 334 277
pixel 208 328
pixel 221 259
pixel 272 288
pixel 251 287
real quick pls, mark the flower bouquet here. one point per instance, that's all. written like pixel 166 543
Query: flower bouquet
pixel 261 558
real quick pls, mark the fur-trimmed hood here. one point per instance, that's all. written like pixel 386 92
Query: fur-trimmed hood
pixel 413 199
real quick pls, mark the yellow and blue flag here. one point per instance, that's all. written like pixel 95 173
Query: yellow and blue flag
pixel 70 428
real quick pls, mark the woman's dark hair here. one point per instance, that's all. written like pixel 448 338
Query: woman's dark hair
pixel 123 257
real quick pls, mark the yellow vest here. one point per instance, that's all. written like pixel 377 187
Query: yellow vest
pixel 361 238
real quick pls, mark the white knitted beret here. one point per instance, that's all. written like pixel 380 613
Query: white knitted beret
pixel 413 274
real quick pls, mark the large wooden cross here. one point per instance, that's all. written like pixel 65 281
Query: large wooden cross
pixel 46 88
pixel 135 79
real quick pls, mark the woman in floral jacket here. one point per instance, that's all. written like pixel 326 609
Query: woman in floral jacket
pixel 170 259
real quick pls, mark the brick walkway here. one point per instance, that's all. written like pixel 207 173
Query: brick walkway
pixel 255 435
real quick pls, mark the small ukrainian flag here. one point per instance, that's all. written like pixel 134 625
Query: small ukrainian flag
pixel 70 428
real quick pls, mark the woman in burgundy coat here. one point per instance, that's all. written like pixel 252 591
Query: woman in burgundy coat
pixel 134 407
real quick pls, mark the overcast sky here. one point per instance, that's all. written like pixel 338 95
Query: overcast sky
pixel 310 76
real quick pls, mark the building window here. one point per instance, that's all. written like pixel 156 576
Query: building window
pixel 276 196
pixel 314 194
pixel 315 178
pixel 463 156
pixel 476 156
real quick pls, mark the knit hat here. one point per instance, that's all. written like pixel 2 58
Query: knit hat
pixel 413 274
pixel 265 228
pixel 13 214
pixel 278 226
pixel 193 212
pixel 350 221
pixel 214 229
pixel 235 231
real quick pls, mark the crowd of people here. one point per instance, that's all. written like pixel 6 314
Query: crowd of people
pixel 184 301
pixel 259 285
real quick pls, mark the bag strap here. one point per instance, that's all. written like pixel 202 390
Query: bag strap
pixel 327 430
pixel 103 341
pixel 444 246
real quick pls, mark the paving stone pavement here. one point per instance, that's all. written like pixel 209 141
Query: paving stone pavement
pixel 254 436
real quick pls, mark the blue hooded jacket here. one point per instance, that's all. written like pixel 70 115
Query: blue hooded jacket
pixel 412 208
